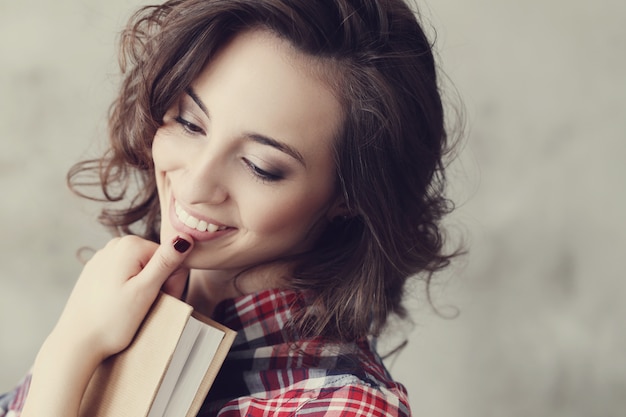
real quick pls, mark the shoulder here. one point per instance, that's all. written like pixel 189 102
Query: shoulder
pixel 325 396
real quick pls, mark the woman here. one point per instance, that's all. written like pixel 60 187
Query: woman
pixel 288 155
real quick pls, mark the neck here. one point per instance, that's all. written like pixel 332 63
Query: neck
pixel 207 288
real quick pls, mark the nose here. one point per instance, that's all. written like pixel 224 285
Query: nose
pixel 205 177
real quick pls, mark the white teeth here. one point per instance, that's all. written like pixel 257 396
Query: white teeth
pixel 194 223
pixel 182 214
pixel 191 222
pixel 202 226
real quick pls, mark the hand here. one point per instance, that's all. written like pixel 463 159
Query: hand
pixel 109 301
pixel 115 290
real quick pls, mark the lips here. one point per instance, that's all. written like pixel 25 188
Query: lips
pixel 195 223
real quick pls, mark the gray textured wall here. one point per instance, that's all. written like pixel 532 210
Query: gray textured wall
pixel 540 186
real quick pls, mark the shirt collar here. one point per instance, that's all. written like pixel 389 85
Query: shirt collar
pixel 260 318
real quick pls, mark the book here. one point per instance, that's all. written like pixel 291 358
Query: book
pixel 166 370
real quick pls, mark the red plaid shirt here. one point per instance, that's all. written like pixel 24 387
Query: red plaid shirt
pixel 267 375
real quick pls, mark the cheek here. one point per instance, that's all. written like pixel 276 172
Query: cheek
pixel 291 213
pixel 157 160
pixel 163 152
pixel 168 154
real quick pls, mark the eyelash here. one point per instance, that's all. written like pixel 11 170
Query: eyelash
pixel 259 173
pixel 188 126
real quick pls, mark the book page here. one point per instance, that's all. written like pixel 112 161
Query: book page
pixel 179 358
pixel 193 372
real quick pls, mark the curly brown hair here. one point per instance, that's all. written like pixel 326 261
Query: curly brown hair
pixel 389 155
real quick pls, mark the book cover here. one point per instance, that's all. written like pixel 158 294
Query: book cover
pixel 126 384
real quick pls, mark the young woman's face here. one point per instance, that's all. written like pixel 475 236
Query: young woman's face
pixel 244 160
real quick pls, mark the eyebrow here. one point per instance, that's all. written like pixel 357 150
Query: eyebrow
pixel 197 100
pixel 283 147
pixel 255 137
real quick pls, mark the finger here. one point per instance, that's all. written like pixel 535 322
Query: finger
pixel 166 260
pixel 176 283
pixel 131 255
pixel 112 242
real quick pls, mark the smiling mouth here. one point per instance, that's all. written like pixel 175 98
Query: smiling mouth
pixel 194 223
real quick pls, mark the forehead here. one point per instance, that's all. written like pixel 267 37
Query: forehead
pixel 261 82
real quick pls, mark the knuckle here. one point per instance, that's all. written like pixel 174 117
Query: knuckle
pixel 128 241
pixel 113 242
pixel 134 246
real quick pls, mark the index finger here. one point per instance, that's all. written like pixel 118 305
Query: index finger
pixel 166 260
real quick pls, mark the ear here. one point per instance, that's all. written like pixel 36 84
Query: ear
pixel 338 209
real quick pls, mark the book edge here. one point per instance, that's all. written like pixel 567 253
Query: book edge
pixel 162 302
pixel 216 363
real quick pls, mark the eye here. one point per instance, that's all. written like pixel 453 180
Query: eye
pixel 188 126
pixel 261 173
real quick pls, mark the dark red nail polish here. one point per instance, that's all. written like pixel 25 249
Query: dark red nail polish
pixel 181 245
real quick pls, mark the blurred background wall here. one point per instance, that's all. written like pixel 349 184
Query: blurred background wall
pixel 539 185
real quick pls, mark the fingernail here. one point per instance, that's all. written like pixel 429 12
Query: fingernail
pixel 181 245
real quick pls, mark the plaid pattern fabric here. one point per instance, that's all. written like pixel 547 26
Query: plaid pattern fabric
pixel 11 403
pixel 267 375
